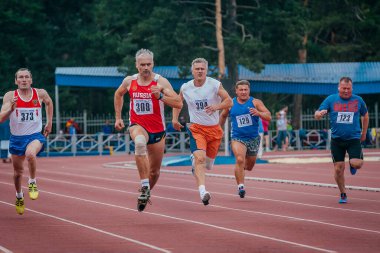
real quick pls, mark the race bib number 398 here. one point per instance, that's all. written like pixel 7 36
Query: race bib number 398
pixel 143 106
pixel 345 117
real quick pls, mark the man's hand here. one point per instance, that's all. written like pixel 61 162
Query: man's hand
pixel 156 90
pixel 176 125
pixel 119 124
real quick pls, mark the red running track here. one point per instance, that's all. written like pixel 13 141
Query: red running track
pixel 87 204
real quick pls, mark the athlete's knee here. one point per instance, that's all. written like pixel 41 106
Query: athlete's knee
pixel 240 159
pixel 30 155
pixel 200 159
pixel 140 145
pixel 339 168
pixel 356 163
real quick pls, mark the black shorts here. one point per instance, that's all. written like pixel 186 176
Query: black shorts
pixel 156 137
pixel 339 148
pixel 153 137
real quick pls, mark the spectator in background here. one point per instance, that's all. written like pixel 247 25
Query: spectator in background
pixel 72 127
pixel 107 128
pixel 266 134
pixel 281 124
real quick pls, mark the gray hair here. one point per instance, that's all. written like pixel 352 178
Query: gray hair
pixel 144 51
pixel 23 69
pixel 199 60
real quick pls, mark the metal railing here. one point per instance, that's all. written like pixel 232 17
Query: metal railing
pixel 176 142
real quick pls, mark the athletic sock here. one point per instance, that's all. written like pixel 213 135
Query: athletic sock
pixel 145 182
pixel 32 180
pixel 202 190
pixel 240 186
pixel 19 195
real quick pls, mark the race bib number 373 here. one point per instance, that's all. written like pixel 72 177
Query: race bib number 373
pixel 345 117
pixel 27 115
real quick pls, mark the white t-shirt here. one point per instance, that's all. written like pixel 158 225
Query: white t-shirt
pixel 197 98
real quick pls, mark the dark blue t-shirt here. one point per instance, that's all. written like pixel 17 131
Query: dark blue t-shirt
pixel 344 115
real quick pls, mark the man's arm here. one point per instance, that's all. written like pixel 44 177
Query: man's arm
pixel 365 121
pixel 176 125
pixel 223 117
pixel 119 101
pixel 49 108
pixel 225 104
pixel 9 104
pixel 260 110
pixel 169 96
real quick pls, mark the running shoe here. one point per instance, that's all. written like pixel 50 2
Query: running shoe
pixel 20 207
pixel 241 192
pixel 352 170
pixel 33 191
pixel 343 198
pixel 143 199
pixel 206 197
pixel 192 164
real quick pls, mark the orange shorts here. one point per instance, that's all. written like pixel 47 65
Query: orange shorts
pixel 207 138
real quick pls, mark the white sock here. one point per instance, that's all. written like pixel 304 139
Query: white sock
pixel 202 190
pixel 240 185
pixel 145 182
pixel 32 180
pixel 19 195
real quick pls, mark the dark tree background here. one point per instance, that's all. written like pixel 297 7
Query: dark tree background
pixel 42 35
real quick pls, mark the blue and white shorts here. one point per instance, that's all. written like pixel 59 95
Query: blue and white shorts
pixel 18 144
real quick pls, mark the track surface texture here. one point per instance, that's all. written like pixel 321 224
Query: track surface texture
pixel 88 204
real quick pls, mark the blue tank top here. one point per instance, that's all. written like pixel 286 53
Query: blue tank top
pixel 243 125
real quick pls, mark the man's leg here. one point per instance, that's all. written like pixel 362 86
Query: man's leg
pixel 155 154
pixel 340 181
pixel 31 156
pixel 140 138
pixel 239 149
pixel 18 169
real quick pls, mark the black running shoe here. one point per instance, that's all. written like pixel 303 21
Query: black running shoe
pixel 143 199
pixel 206 197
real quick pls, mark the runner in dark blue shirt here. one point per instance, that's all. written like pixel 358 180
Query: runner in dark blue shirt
pixel 346 110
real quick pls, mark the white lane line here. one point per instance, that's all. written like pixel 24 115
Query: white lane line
pixel 214 183
pixel 125 165
pixel 168 217
pixel 194 190
pixel 4 250
pixel 93 228
pixel 221 207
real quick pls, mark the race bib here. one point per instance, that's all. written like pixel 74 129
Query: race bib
pixel 27 115
pixel 200 104
pixel 345 117
pixel 143 106
pixel 244 120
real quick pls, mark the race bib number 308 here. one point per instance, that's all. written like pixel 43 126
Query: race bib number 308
pixel 345 117
pixel 143 106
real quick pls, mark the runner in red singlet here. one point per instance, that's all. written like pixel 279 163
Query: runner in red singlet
pixel 148 93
